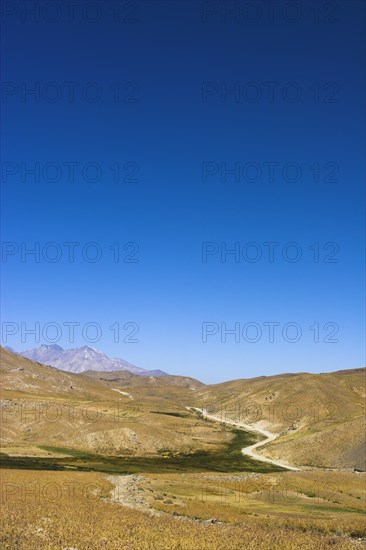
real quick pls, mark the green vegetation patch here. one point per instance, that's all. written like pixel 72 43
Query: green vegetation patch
pixel 229 459
pixel 176 414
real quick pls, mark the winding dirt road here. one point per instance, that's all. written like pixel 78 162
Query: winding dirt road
pixel 249 451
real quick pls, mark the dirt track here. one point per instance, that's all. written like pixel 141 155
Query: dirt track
pixel 248 451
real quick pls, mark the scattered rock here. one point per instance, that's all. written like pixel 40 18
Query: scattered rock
pixel 212 520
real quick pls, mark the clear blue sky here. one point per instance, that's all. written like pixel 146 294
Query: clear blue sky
pixel 179 135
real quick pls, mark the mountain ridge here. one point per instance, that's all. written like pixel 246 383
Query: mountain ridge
pixel 78 360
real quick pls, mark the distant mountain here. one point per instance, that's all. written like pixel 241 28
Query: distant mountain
pixel 8 348
pixel 83 359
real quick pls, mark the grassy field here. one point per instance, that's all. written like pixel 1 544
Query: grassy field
pixel 64 510
pixel 227 459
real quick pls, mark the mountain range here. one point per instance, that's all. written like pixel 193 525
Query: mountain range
pixel 82 359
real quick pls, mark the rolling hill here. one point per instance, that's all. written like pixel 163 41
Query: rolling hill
pixel 110 413
pixel 319 418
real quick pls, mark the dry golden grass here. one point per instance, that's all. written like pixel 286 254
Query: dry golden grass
pixel 329 502
pixel 63 510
